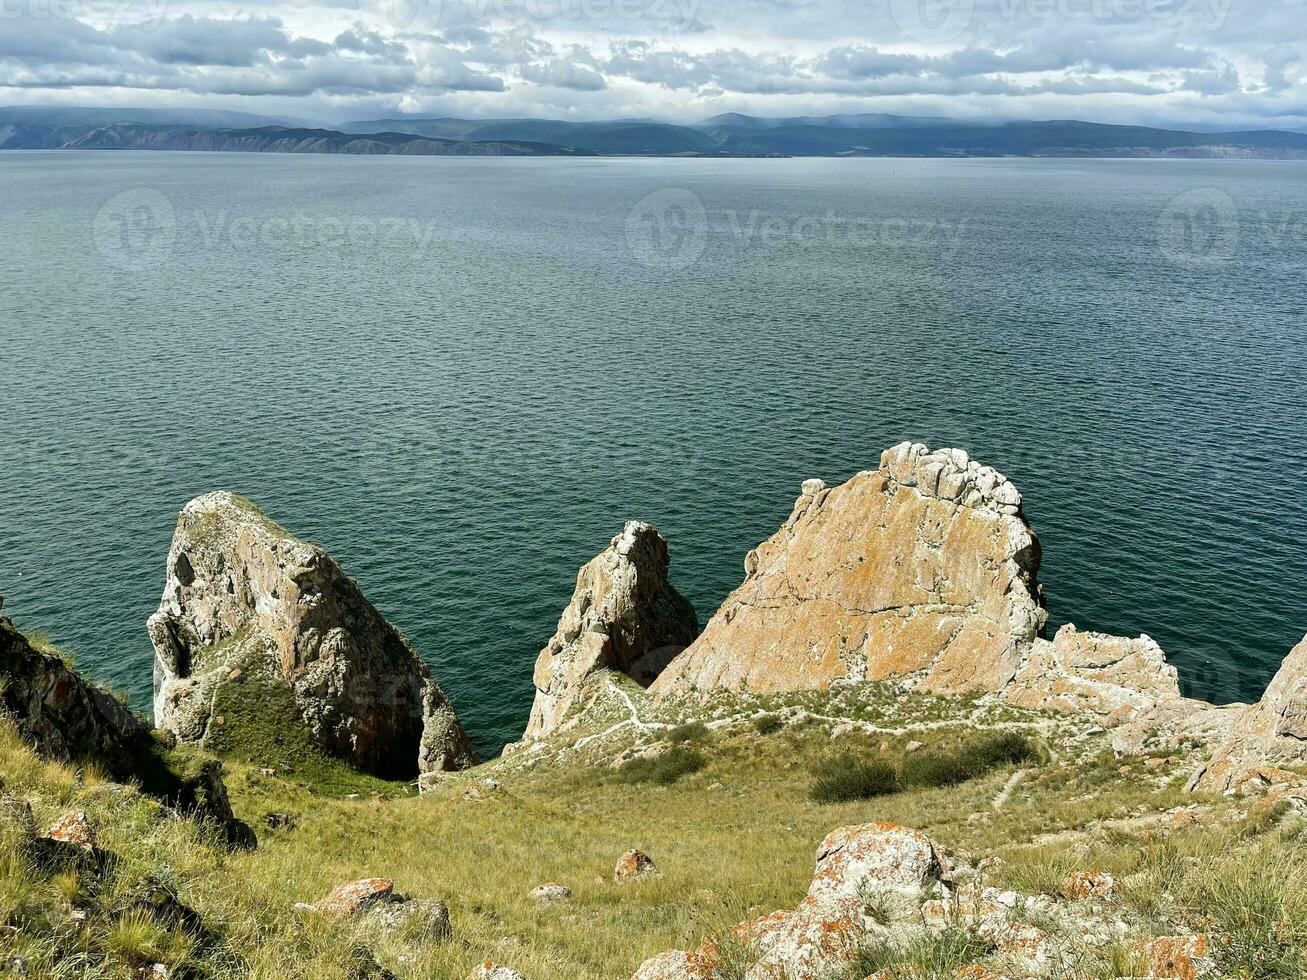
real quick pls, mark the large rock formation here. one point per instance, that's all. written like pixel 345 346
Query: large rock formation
pixel 624 616
pixel 258 628
pixel 922 570
pixel 64 717
pixel 1265 736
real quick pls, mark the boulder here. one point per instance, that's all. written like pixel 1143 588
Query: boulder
pixel 1183 957
pixel 354 897
pixel 633 866
pixel 267 625
pixel 489 971
pixel 73 828
pixel 1270 734
pixel 420 918
pixel 552 892
pixel 63 716
pixel 624 616
pixel 923 571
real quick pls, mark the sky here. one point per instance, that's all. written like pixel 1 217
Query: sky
pixel 1203 63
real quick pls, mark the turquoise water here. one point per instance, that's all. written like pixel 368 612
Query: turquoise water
pixel 461 376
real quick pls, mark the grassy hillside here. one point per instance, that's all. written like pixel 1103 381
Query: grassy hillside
pixel 726 813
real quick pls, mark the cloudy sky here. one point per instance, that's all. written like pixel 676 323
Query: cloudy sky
pixel 1203 62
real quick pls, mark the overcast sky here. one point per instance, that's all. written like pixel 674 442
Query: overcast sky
pixel 1205 62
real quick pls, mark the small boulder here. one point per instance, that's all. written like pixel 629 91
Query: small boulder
pixel 73 828
pixel 1178 957
pixel 423 918
pixel 633 866
pixel 552 892
pixel 356 896
pixel 1088 885
pixel 489 971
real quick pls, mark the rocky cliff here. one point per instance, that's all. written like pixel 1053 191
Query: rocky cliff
pixel 62 715
pixel 259 628
pixel 922 570
pixel 624 616
pixel 1265 736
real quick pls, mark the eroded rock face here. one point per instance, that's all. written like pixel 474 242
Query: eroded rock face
pixel 1271 733
pixel 1084 672
pixel 624 616
pixel 252 616
pixel 63 716
pixel 922 570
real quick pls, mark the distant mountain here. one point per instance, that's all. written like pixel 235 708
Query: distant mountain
pixel 622 137
pixel 269 139
pixel 728 135
pixel 68 116
pixel 857 134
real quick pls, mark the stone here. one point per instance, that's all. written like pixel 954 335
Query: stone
pixel 73 828
pixel 489 971
pixel 1270 734
pixel 419 918
pixel 1185 957
pixel 624 616
pixel 884 577
pixel 354 897
pixel 633 866
pixel 64 717
pixel 1086 885
pixel 244 594
pixel 676 964
pixel 552 892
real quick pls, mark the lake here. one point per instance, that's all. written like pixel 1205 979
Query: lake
pixel 460 376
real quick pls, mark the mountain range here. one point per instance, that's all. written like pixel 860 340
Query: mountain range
pixel 728 135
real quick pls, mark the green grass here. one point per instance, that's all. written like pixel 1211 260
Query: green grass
pixel 936 955
pixel 726 853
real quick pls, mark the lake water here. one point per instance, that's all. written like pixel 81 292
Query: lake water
pixel 459 376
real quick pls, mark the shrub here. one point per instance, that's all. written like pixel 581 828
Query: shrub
pixel 766 724
pixel 664 770
pixel 844 777
pixel 694 731
pixel 972 759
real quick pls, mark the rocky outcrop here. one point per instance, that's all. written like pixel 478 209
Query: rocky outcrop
pixel 1265 737
pixel 254 618
pixel 870 864
pixel 624 616
pixel 1096 673
pixel 63 716
pixel 923 570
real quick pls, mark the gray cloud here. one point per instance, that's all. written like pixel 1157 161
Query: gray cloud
pixel 1109 60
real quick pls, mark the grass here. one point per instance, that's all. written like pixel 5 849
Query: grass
pixel 935 955
pixel 726 854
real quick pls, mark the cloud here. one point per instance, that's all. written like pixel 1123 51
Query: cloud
pixel 1148 61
